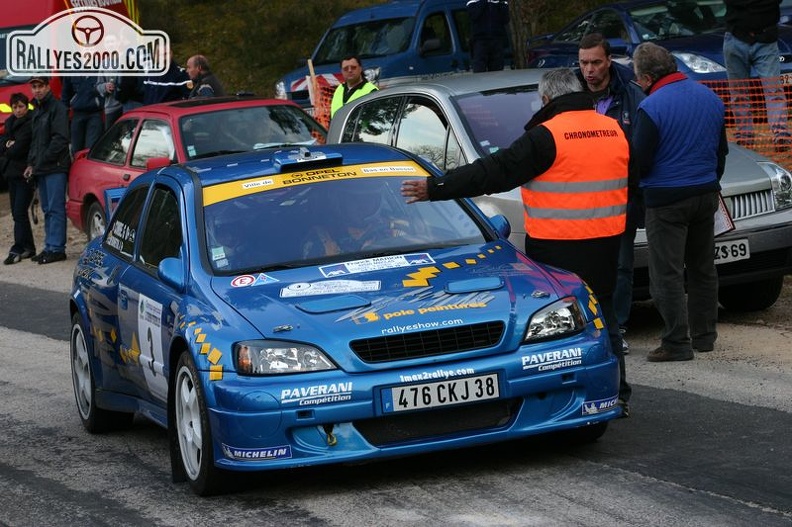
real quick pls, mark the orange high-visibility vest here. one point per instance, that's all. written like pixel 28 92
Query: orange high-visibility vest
pixel 583 195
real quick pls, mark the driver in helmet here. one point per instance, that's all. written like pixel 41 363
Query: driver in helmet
pixel 356 221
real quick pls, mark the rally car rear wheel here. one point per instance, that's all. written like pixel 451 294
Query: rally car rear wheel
pixel 192 429
pixel 94 419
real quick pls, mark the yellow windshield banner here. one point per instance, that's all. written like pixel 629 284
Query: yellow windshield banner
pixel 235 189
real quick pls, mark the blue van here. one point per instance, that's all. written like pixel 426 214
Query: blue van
pixel 398 41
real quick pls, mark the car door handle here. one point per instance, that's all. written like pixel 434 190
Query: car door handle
pixel 126 177
pixel 123 300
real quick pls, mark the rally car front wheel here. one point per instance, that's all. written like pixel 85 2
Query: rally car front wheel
pixel 191 427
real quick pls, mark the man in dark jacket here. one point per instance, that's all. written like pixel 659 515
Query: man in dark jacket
pixel 80 95
pixel 204 83
pixel 751 43
pixel 572 166
pixel 170 86
pixel 14 147
pixel 489 36
pixel 679 143
pixel 616 96
pixel 48 162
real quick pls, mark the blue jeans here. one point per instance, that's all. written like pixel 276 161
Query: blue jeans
pixel 52 194
pixel 681 244
pixel 86 127
pixel 20 193
pixel 740 58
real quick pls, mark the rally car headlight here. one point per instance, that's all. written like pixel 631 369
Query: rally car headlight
pixel 781 180
pixel 268 357
pixel 559 318
pixel 699 64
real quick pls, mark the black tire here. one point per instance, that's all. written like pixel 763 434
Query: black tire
pixel 754 296
pixel 94 419
pixel 585 434
pixel 95 221
pixel 190 425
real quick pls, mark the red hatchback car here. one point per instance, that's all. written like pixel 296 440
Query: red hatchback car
pixel 178 132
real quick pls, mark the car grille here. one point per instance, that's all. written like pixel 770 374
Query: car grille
pixel 751 204
pixel 428 343
pixel 432 423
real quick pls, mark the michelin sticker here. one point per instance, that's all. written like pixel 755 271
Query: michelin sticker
pixel 599 406
pixel 329 287
pixel 553 360
pixel 257 454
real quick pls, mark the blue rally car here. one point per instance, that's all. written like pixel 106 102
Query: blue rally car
pixel 287 308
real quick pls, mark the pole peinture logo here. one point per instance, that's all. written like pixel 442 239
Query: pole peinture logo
pixel 87 41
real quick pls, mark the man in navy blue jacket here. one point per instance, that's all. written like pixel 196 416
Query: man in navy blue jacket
pixel 679 144
pixel 488 34
pixel 80 95
pixel 615 95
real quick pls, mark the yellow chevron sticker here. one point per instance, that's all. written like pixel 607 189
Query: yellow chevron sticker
pixel 205 348
pixel 132 355
pixel 471 261
pixel 200 338
pixel 451 265
pixel 421 277
pixel 598 323
pixel 216 373
pixel 481 256
pixel 490 251
pixel 593 307
pixel 214 357
pixel 113 335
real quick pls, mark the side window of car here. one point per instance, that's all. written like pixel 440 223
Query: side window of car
pixel 422 130
pixel 372 122
pixel 162 232
pixel 122 231
pixel 435 35
pixel 113 146
pixel 574 33
pixel 608 23
pixel 154 140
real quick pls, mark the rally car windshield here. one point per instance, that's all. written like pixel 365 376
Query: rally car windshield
pixel 306 224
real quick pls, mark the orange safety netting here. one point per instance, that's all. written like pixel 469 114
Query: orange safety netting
pixel 749 104
pixel 323 97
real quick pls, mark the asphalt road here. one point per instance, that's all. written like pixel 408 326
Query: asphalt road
pixel 708 444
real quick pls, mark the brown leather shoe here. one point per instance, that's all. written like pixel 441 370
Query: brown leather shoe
pixel 663 355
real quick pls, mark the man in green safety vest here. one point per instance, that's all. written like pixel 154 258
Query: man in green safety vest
pixel 354 85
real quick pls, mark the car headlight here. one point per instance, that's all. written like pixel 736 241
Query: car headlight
pixel 280 90
pixel 559 318
pixel 269 357
pixel 781 180
pixel 699 64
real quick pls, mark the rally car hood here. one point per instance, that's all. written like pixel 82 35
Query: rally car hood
pixel 332 305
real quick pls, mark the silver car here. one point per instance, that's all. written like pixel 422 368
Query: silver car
pixel 456 119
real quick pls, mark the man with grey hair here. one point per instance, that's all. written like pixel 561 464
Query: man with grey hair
pixel 679 145
pixel 571 163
